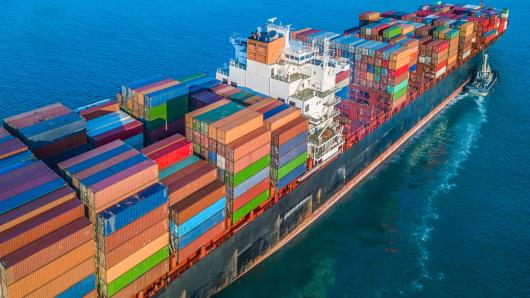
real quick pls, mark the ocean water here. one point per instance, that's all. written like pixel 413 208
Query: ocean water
pixel 448 216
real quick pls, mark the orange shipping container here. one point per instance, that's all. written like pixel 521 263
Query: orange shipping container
pixel 282 118
pixel 94 294
pixel 247 143
pixel 65 281
pixel 50 271
pixel 121 185
pixel 39 253
pixel 37 227
pixel 240 127
pixel 118 238
pixel 134 259
pixel 36 207
pixel 245 161
pixel 113 257
pixel 213 128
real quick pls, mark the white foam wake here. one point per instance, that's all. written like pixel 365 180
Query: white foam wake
pixel 463 136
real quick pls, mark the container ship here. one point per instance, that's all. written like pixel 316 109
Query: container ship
pixel 178 186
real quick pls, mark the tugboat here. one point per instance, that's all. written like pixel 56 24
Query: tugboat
pixel 484 80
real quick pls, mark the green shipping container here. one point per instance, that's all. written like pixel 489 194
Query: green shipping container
pixel 244 174
pixel 400 93
pixel 241 212
pixel 290 166
pixel 121 282
pixel 171 110
pixel 392 32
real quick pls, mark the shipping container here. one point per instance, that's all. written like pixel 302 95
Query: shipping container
pixel 38 253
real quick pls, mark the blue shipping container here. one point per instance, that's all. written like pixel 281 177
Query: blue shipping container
pixel 30 195
pixel 299 171
pixel 116 217
pixel 275 111
pixel 293 143
pixel 200 217
pixel 112 170
pixel 97 159
pixel 201 229
pixel 292 154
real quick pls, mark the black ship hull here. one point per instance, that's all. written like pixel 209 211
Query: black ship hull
pixel 256 240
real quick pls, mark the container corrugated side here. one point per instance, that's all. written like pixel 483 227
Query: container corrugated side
pixel 37 227
pixel 66 280
pixel 197 202
pixel 203 240
pixel 116 239
pixel 36 207
pixel 131 209
pixel 135 258
pixel 144 280
pixel 80 289
pixel 135 243
pixel 51 270
pixel 135 272
pixel 41 252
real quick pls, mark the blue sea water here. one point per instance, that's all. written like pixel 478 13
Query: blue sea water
pixel 448 216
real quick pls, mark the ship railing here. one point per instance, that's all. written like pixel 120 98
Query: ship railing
pixel 290 78
pixel 223 72
pixel 235 63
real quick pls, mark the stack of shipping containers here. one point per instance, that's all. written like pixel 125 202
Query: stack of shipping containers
pixel 12 150
pixel 49 131
pixel 197 199
pixel 160 102
pixel 46 243
pixel 118 186
pixel 133 239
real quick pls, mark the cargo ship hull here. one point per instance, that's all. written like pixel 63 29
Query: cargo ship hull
pixel 277 225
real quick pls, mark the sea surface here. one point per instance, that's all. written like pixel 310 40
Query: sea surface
pixel 448 216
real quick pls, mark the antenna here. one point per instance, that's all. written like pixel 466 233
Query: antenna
pixel 272 20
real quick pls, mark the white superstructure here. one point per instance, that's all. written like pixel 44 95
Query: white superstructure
pixel 303 77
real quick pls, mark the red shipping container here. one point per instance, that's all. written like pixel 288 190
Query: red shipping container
pixel 401 70
pixel 172 154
